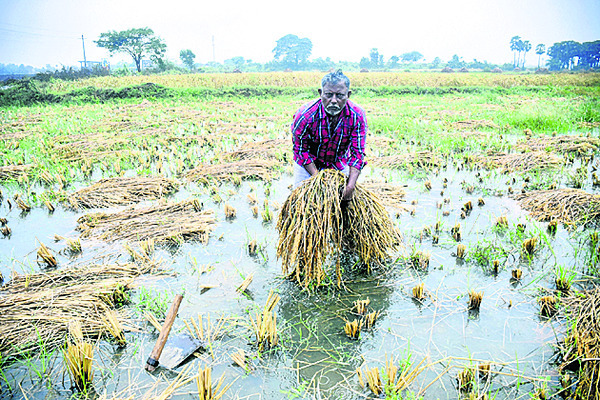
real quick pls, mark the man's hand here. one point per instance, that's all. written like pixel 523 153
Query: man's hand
pixel 348 193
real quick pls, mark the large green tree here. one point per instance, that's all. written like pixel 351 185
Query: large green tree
pixel 292 50
pixel 137 42
pixel 187 57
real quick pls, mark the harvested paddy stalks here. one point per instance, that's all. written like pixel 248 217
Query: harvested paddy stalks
pixel 569 206
pixel 14 171
pixel 422 159
pixel 502 222
pixel 205 385
pixel 370 319
pixel 233 172
pixel 173 222
pixel 111 321
pixel 522 162
pixel 360 306
pixel 43 305
pixel 265 326
pixel 475 300
pixel 419 291
pixel 548 306
pixel 390 195
pixel 229 211
pixel 371 378
pixel 44 256
pixel 517 274
pixel 272 149
pixel 528 245
pixel 121 191
pixel 465 380
pixel 352 329
pixel 239 357
pixel 242 288
pixel 312 227
pixel 579 145
pixel 78 357
pixel 580 349
pixel 460 251
pixel 407 375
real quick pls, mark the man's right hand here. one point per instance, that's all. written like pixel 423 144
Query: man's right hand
pixel 311 169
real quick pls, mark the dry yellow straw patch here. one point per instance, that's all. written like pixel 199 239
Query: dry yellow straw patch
pixel 43 305
pixel 272 149
pixel 174 222
pixel 519 161
pixel 312 227
pixel 390 195
pixel 14 171
pixel 122 191
pixel 245 169
pixel 420 159
pixel 582 342
pixel 569 206
pixel 562 144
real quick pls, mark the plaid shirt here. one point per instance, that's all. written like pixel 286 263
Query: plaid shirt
pixel 315 143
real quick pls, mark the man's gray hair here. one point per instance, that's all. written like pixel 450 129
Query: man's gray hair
pixel 335 77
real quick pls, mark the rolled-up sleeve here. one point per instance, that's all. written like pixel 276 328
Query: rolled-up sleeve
pixel 301 137
pixel 358 139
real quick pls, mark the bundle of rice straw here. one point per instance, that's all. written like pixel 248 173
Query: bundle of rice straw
pixel 422 159
pixel 36 309
pixel 581 346
pixel 518 161
pixel 245 169
pixel 174 222
pixel 121 191
pixel 312 227
pixel 271 149
pixel 14 171
pixel 562 144
pixel 569 206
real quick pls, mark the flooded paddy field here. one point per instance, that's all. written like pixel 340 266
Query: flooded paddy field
pixel 465 310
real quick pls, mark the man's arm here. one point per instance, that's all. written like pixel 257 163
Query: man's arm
pixel 311 169
pixel 350 184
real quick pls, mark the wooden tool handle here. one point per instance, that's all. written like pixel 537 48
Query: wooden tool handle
pixel 152 362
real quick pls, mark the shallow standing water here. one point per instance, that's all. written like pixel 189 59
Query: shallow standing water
pixel 314 357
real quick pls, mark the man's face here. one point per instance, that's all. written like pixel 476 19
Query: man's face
pixel 334 96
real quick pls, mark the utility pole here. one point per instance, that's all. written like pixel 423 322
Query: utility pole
pixel 84 60
pixel 213 45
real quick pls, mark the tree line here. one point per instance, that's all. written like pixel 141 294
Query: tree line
pixel 292 52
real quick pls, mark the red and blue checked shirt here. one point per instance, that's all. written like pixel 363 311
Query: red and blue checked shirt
pixel 315 143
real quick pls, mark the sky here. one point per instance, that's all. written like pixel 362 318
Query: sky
pixel 49 32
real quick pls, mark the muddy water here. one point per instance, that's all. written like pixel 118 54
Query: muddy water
pixel 314 358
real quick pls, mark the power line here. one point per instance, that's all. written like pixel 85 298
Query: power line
pixel 55 34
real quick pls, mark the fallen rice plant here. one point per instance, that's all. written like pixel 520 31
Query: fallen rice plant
pixel 44 304
pixel 14 171
pixel 522 162
pixel 313 227
pixel 44 256
pixel 423 159
pixel 563 144
pixel 242 288
pixel 121 191
pixel 245 169
pixel 569 206
pixel 419 291
pixel 580 347
pixel 174 222
pixel 272 149
pixel 370 318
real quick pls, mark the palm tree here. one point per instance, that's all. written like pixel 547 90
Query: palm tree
pixel 526 46
pixel 539 50
pixel 514 46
